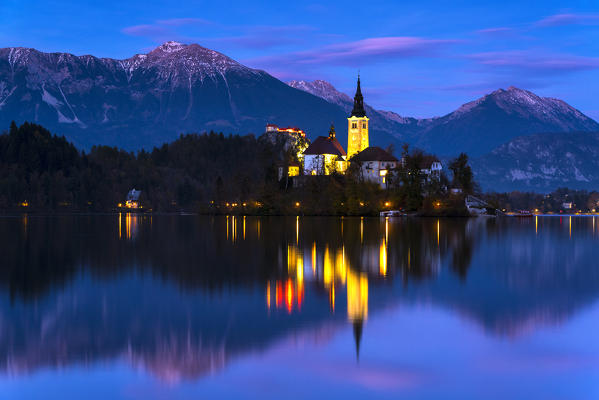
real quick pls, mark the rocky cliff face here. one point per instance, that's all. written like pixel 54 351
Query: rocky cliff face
pixel 541 163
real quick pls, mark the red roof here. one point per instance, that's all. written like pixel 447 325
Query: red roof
pixel 325 145
pixel 373 153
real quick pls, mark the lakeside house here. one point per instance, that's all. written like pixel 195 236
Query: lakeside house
pixel 375 164
pixel 431 168
pixel 132 200
pixel 290 170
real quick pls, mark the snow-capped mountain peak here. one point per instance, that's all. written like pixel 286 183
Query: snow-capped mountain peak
pixel 324 90
pixel 170 47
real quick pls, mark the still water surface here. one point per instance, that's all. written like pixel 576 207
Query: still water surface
pixel 141 307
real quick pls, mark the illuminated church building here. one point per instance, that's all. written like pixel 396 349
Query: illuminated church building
pixel 326 155
pixel 357 125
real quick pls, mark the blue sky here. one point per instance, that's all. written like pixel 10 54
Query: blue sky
pixel 417 58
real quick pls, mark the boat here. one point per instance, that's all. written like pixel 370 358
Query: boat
pixel 392 213
pixel 522 214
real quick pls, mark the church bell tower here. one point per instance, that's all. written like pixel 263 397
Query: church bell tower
pixel 357 125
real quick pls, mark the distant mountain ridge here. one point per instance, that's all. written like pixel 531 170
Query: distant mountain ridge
pixel 476 127
pixel 401 128
pixel 479 126
pixel 541 163
pixel 150 99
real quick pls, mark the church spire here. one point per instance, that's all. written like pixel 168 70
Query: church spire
pixel 358 336
pixel 358 110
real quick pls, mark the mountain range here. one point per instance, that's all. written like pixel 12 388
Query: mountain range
pixel 150 99
pixel 541 163
pixel 476 127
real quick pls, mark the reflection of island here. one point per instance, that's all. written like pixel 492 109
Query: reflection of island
pixel 181 296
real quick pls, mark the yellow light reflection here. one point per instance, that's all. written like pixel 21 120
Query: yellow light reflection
pixel 233 228
pixel 340 266
pixel 244 227
pixel 327 269
pixel 227 227
pixel 268 294
pixel 297 230
pixel 314 258
pixel 300 270
pixel 570 226
pixel 300 281
pixel 536 224
pixel 120 229
pixel 438 231
pixel 357 296
pixel 289 295
pixel 383 258
pixel 25 222
pixel 332 298
pixel 361 230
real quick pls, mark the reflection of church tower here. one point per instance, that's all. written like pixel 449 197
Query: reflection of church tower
pixel 358 325
pixel 357 125
pixel 357 304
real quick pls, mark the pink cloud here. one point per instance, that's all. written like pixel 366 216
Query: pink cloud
pixel 361 51
pixel 570 19
pixel 502 30
pixel 538 63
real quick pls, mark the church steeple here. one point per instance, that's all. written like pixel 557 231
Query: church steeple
pixel 358 110
pixel 332 131
pixel 357 125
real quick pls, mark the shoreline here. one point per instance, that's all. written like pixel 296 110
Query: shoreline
pixel 41 213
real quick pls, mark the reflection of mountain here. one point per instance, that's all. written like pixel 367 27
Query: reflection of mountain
pixel 523 274
pixel 181 296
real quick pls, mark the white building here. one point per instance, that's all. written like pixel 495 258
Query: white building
pixel 324 156
pixel 431 168
pixel 375 163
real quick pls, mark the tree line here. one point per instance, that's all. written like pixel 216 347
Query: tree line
pixel 208 172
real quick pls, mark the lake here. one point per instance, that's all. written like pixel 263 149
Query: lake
pixel 132 306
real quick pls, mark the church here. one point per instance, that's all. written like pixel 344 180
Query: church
pixel 326 155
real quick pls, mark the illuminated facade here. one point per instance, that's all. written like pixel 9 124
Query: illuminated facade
pixel 132 200
pixel 325 155
pixel 357 125
pixel 288 130
pixel 291 170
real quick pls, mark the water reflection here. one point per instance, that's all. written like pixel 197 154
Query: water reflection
pixel 182 296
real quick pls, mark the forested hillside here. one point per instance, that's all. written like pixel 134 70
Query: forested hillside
pixel 48 172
